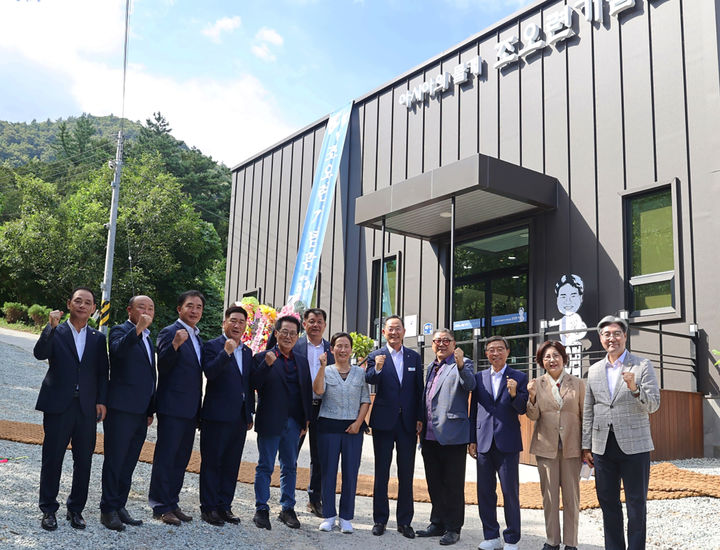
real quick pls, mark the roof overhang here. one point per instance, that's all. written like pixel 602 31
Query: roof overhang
pixel 486 189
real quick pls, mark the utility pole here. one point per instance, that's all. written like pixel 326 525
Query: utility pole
pixel 112 227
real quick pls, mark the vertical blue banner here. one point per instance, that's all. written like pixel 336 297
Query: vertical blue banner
pixel 319 208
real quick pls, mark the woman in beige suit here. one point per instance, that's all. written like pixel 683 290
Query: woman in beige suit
pixel 556 404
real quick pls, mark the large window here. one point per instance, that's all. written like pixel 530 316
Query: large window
pixel 389 285
pixel 651 248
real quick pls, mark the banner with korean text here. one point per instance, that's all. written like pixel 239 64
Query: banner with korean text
pixel 319 208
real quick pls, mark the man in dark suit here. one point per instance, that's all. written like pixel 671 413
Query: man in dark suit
pixel 499 397
pixel 445 436
pixel 226 417
pixel 312 346
pixel 284 388
pixel 72 398
pixel 179 351
pixel 396 419
pixel 131 405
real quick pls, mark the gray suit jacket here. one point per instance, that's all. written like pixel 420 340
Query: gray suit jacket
pixel 628 415
pixel 449 404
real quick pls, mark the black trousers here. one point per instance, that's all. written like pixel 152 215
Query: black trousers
pixel 634 470
pixel 221 449
pixel 445 475
pixel 314 487
pixel 383 443
pixel 60 429
pixel 124 437
pixel 175 437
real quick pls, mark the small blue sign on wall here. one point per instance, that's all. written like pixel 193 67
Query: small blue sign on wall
pixel 427 329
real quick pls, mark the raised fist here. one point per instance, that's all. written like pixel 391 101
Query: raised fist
pixel 230 346
pixel 531 388
pixel 270 358
pixel 144 322
pixel 180 337
pixel 55 317
pixel 379 362
pixel 459 358
pixel 512 386
pixel 323 359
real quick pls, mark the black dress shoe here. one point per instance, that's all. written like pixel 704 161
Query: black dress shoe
pixel 182 516
pixel 289 518
pixel 261 519
pixel 378 529
pixel 229 517
pixel 547 546
pixel 406 531
pixel 49 523
pixel 450 537
pixel 433 530
pixel 315 508
pixel 169 518
pixel 112 521
pixel 76 520
pixel 125 517
pixel 213 518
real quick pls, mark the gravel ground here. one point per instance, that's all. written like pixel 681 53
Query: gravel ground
pixel 672 524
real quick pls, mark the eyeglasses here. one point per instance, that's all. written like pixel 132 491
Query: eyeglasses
pixel 287 333
pixel 443 341
pixel 617 334
pixel 554 356
pixel 495 350
pixel 394 329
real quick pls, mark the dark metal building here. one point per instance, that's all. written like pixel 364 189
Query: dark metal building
pixel 575 149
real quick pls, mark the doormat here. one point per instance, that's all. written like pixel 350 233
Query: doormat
pixel 667 481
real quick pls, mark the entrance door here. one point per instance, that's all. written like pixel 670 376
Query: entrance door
pixel 491 289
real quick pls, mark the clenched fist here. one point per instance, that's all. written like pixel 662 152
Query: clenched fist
pixel 459 358
pixel 379 362
pixel 143 322
pixel 512 386
pixel 230 346
pixel 55 317
pixel 270 358
pixel 180 337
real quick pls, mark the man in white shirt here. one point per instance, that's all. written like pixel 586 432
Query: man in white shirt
pixel 621 393
pixel 312 346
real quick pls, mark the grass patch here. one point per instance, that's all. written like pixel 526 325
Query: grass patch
pixel 22 327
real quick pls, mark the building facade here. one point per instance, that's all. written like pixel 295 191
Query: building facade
pixel 559 166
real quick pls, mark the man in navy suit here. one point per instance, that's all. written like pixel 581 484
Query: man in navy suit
pixel 131 405
pixel 312 346
pixel 179 351
pixel 499 398
pixel 226 417
pixel 284 388
pixel 72 398
pixel 396 419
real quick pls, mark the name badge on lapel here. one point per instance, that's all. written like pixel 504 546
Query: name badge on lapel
pixel 411 369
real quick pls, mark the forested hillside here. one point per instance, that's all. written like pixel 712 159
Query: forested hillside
pixel 55 200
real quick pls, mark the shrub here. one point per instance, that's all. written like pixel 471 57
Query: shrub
pixel 15 312
pixel 39 314
pixel 362 345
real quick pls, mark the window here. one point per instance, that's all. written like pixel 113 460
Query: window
pixel 254 293
pixel 652 252
pixel 390 286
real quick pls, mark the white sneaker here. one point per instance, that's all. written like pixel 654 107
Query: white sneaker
pixel 345 526
pixel 327 525
pixel 509 546
pixel 491 544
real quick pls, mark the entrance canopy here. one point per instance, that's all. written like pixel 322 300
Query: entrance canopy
pixel 485 189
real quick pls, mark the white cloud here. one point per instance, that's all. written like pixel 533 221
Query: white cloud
pixel 223 25
pixel 263 52
pixel 271 36
pixel 487 5
pixel 229 119
pixel 265 38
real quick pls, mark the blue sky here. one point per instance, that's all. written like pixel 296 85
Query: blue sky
pixel 232 77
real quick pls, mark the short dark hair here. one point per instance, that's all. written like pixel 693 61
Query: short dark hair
pixel 550 344
pixel 335 337
pixel 497 338
pixel 287 319
pixel 389 317
pixel 187 294
pixel 235 309
pixel 447 331
pixel 87 289
pixel 572 280
pixel 314 311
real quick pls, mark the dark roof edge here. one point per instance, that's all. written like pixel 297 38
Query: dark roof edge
pixel 489 30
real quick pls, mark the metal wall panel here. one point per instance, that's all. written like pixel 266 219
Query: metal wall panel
pixel 488 116
pixel 399 136
pixel 415 135
pixel 468 98
pixel 281 273
pixel 449 115
pixel 233 250
pixel 509 105
pixel 275 263
pixel 431 133
pixel 531 104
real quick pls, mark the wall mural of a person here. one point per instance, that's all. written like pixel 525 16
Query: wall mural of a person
pixel 569 290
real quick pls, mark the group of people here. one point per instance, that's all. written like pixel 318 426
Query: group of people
pixel 308 385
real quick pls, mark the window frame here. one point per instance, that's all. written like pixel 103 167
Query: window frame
pixel 375 273
pixel 673 311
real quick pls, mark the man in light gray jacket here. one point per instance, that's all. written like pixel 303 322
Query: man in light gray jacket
pixel 621 392
pixel 445 436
